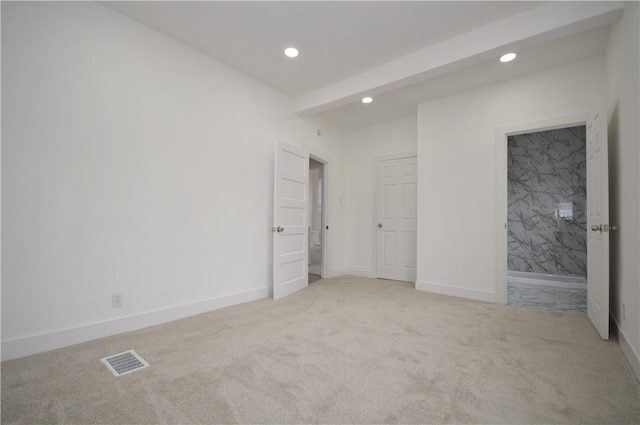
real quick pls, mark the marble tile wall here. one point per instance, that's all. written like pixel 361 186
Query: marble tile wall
pixel 547 193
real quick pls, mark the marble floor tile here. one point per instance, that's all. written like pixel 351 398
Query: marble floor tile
pixel 547 297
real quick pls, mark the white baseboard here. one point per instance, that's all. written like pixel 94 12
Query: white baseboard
pixel 34 344
pixel 338 271
pixel 454 291
pixel 360 271
pixel 632 357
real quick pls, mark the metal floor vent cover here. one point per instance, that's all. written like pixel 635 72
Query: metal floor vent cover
pixel 125 362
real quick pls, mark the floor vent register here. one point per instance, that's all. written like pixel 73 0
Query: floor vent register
pixel 125 362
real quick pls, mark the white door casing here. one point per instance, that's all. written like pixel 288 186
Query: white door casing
pixel 290 245
pixel 598 225
pixel 396 219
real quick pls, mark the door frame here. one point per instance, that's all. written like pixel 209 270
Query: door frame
pixel 502 134
pixel 326 168
pixel 374 217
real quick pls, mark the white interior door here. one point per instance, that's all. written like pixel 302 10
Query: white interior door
pixel 598 225
pixel 290 245
pixel 396 211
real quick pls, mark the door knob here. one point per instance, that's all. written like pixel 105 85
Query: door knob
pixel 613 228
pixel 380 225
pixel 597 227
pixel 280 229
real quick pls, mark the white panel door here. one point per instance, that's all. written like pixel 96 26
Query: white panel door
pixel 598 225
pixel 290 246
pixel 396 211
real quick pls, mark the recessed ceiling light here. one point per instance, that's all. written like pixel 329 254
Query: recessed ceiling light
pixel 367 99
pixel 507 57
pixel 291 52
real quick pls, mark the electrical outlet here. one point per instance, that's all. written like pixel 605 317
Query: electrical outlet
pixel 116 300
pixel 624 311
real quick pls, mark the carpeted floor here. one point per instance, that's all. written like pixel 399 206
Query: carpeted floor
pixel 344 350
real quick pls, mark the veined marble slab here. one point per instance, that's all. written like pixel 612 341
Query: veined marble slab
pixel 547 193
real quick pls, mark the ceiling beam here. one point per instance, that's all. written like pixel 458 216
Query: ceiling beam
pixel 543 23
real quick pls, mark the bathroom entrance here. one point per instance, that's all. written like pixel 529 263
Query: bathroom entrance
pixel 316 219
pixel 547 220
pixel 555 175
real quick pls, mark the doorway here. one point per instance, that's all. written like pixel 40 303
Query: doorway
pixel 547 220
pixel 316 219
pixel 597 210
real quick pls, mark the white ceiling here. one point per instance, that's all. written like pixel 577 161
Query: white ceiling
pixel 341 41
pixel 402 101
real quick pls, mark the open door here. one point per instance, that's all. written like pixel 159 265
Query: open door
pixel 598 225
pixel 290 243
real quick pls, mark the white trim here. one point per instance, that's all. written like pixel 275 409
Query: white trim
pixel 539 279
pixel 455 291
pixel 360 271
pixel 34 344
pixel 338 271
pixel 502 132
pixel 542 276
pixel 376 162
pixel 632 357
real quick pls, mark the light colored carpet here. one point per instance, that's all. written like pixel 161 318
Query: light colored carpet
pixel 344 350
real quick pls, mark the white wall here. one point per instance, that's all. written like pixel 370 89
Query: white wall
pixel 623 95
pixel 457 170
pixel 133 164
pixel 363 147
